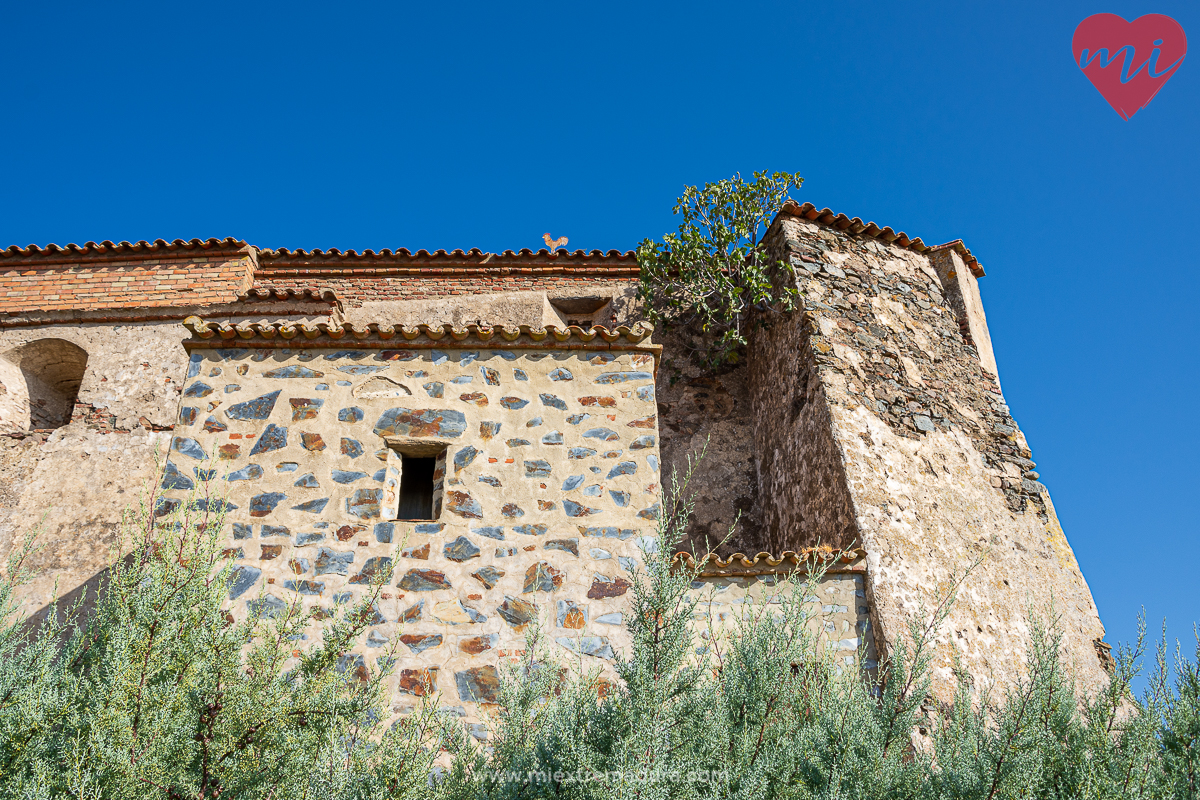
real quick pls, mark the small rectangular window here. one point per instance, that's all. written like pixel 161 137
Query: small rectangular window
pixel 416 487
pixel 412 488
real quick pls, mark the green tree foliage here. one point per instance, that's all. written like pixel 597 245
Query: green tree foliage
pixel 764 711
pixel 716 271
pixel 157 692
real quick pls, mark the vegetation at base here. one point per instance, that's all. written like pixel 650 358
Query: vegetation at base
pixel 716 271
pixel 157 692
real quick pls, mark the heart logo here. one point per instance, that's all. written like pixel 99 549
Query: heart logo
pixel 1128 62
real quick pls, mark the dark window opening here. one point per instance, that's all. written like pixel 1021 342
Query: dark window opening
pixel 416 487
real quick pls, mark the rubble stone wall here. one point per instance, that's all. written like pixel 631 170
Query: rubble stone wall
pixel 939 476
pixel 547 492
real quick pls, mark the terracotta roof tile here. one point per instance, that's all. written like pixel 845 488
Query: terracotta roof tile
pixel 856 226
pixel 109 251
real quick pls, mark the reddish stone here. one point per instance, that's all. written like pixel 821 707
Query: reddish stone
pixel 312 442
pixel 228 452
pixel 603 402
pixel 419 682
pixel 270 551
pixel 644 422
pixel 603 588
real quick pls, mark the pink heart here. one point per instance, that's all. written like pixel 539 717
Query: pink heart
pixel 1128 62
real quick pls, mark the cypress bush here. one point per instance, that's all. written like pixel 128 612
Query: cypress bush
pixel 154 690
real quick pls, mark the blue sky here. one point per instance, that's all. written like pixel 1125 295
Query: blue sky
pixel 485 125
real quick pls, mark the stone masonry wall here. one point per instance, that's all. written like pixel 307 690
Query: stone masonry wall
pixel 938 474
pixel 550 486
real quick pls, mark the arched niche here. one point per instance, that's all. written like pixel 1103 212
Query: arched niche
pixel 41 380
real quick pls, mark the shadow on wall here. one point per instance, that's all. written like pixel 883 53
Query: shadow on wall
pixel 39 382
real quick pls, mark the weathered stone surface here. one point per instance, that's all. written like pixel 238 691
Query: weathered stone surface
pixel 571 615
pixel 331 561
pixel 460 550
pixel 420 642
pixel 488 576
pixel 258 408
pixel 423 580
pixel 464 505
pixel 587 645
pixel 478 684
pixel 422 422
pixel 603 586
pixel 273 438
pixel 516 612
pixel 541 577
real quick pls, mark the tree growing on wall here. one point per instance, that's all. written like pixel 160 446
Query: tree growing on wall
pixel 716 271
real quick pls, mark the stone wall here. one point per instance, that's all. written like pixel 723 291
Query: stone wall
pixel 938 481
pixel 729 590
pixel 548 490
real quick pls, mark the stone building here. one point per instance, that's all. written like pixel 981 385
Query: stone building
pixel 496 428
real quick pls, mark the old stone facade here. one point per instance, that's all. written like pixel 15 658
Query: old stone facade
pixel 543 421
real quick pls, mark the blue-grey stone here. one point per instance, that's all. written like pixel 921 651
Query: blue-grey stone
pixel 561 374
pixel 518 443
pixel 507 355
pixel 622 377
pixel 273 438
pixel 263 504
pixel 364 503
pixel 566 545
pixel 345 476
pixel 438 356
pixel 572 483
pixel 287 466
pixel 274 530
pixel 305 587
pixel 360 369
pixel 924 423
pixel 550 401
pixel 165 506
pixel 384 532
pixel 353 355
pixel 651 512
pixel 308 481
pixel 491 481
pixel 352 414
pixel 204 475
pixel 331 561
pixel 419 643
pixel 213 505
pixel 537 469
pixel 198 389
pixel 312 506
pixel 435 389
pixel 194 365
pixel 603 434
pixel 513 403
pixel 575 419
pixel 187 415
pixel 580 452
pixel 653 462
pixel 174 479
pixel 461 379
pixel 429 528
pixel 464 457
pixel 533 423
pixel 587 645
pixel 531 529
pixel 247 473
pixel 645 393
pixel 231 388
pixel 293 371
pixel 267 607
pixel 609 532
pixel 214 425
pixel 303 539
pixel 351 447
pixel 620 498
pixel 520 374
pixel 466 358
pixel 258 408
pixel 445 423
pixel 242 531
pixel 554 437
pixel 460 550
pixel 490 532
pixel 490 376
pixel 188 447
pixel 593 490
pixel 574 509
pixel 642 443
pixel 624 468
pixel 241 578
